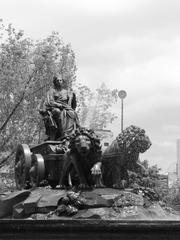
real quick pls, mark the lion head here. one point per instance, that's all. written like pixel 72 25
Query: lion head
pixel 85 141
pixel 133 140
pixel 83 145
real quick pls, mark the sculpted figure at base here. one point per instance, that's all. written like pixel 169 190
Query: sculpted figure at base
pixel 60 117
pixel 122 155
pixel 83 161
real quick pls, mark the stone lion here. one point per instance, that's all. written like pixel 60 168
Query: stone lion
pixel 83 160
pixel 122 156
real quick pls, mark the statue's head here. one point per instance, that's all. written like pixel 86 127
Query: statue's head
pixel 58 81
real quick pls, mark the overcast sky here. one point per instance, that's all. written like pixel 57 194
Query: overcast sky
pixel 127 44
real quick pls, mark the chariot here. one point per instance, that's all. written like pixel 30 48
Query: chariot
pixel 37 164
pixel 43 162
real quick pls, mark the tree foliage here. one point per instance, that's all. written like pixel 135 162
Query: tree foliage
pixel 101 116
pixel 26 71
pixel 94 108
pixel 84 100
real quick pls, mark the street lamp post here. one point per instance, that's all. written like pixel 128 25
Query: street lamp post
pixel 122 94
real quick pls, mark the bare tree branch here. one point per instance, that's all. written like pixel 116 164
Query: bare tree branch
pixel 6 158
pixel 19 102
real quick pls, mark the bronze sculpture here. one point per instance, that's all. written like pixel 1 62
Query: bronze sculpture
pixel 60 117
pixel 77 149
pixel 122 155
pixel 83 159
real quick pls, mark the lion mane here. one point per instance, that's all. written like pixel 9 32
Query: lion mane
pixel 95 142
pixel 133 139
pixel 123 155
pixel 81 165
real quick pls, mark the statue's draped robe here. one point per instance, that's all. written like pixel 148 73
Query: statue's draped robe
pixel 65 116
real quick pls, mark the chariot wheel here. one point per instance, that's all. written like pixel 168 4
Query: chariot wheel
pixel 37 170
pixel 53 183
pixel 22 166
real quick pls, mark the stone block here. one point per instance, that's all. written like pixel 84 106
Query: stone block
pixel 49 202
pixel 38 216
pixel 106 191
pixel 18 211
pixel 30 204
pixel 93 200
pixel 10 199
pixel 97 213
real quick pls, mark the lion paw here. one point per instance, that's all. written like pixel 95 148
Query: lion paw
pixel 120 185
pixel 83 186
pixel 99 185
pixel 62 186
